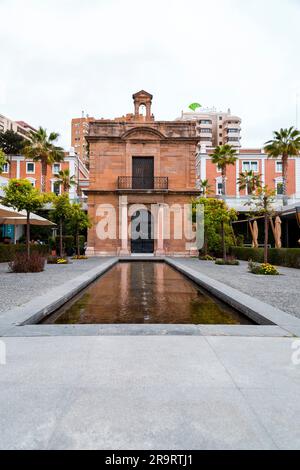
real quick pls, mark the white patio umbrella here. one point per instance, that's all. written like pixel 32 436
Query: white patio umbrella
pixel 20 219
pixel 6 211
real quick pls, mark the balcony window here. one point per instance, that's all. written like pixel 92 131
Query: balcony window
pixel 219 189
pixel 233 131
pixel 56 167
pixel 279 188
pixel 30 168
pixel 205 121
pixel 56 188
pixel 205 131
pixel 250 166
pixel 5 168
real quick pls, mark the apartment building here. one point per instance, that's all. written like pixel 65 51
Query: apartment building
pixel 215 128
pixel 20 127
pixel 256 160
pixel 19 167
pixel 79 131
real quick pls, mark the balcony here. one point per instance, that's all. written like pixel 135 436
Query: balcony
pixel 157 183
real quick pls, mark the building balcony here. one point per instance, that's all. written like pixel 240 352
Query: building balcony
pixel 157 183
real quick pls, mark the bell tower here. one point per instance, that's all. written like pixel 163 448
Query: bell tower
pixel 143 99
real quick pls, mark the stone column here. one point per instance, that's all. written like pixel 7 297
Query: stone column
pixel 123 215
pixel 160 231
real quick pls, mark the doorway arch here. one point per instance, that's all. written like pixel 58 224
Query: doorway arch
pixel 142 229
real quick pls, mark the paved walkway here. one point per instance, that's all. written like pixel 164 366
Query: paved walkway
pixel 282 292
pixel 149 393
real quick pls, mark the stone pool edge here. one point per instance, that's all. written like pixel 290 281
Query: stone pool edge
pixel 21 321
pixel 261 312
pixel 40 307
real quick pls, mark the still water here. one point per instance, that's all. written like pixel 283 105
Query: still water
pixel 145 292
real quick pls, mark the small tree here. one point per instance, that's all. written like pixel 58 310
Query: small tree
pixel 42 149
pixel 78 220
pixel 21 195
pixel 285 144
pixel 12 144
pixel 65 180
pixel 224 156
pixel 262 202
pixel 205 187
pixel 60 214
pixel 2 160
pixel 217 224
pixel 249 180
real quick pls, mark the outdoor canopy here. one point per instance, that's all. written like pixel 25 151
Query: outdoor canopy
pixel 8 212
pixel 8 216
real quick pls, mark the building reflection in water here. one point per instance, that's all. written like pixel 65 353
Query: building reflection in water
pixel 145 292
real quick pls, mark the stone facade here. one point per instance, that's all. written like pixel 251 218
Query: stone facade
pixel 113 146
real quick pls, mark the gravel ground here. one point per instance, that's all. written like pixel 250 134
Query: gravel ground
pixel 282 291
pixel 17 289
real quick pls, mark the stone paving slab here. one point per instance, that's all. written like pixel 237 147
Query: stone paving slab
pixel 149 393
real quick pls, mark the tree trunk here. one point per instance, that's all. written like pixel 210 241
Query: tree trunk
pixel 44 176
pixel 266 238
pixel 205 245
pixel 223 241
pixel 78 247
pixel 224 181
pixel 10 166
pixel 285 163
pixel 28 235
pixel 61 238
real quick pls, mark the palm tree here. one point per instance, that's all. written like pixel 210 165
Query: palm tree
pixel 205 187
pixel 42 148
pixel 286 144
pixel 65 180
pixel 223 156
pixel 249 180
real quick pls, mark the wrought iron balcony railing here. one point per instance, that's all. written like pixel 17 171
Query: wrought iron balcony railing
pixel 147 182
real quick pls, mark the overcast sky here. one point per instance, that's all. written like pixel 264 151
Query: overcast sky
pixel 59 57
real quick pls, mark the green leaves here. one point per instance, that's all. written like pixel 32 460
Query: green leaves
pixel 11 143
pixel 42 147
pixel 2 160
pixel 285 142
pixel 21 195
pixel 194 106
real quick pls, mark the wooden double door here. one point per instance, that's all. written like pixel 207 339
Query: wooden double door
pixel 142 172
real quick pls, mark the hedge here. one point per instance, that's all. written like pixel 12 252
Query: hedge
pixel 7 252
pixel 289 257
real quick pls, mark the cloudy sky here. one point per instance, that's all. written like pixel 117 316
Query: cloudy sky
pixel 59 57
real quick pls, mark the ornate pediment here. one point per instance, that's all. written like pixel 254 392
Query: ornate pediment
pixel 142 133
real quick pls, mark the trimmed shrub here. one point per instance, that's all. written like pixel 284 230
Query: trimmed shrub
pixel 8 252
pixel 228 262
pixel 206 258
pixel 289 257
pixel 22 264
pixel 264 269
